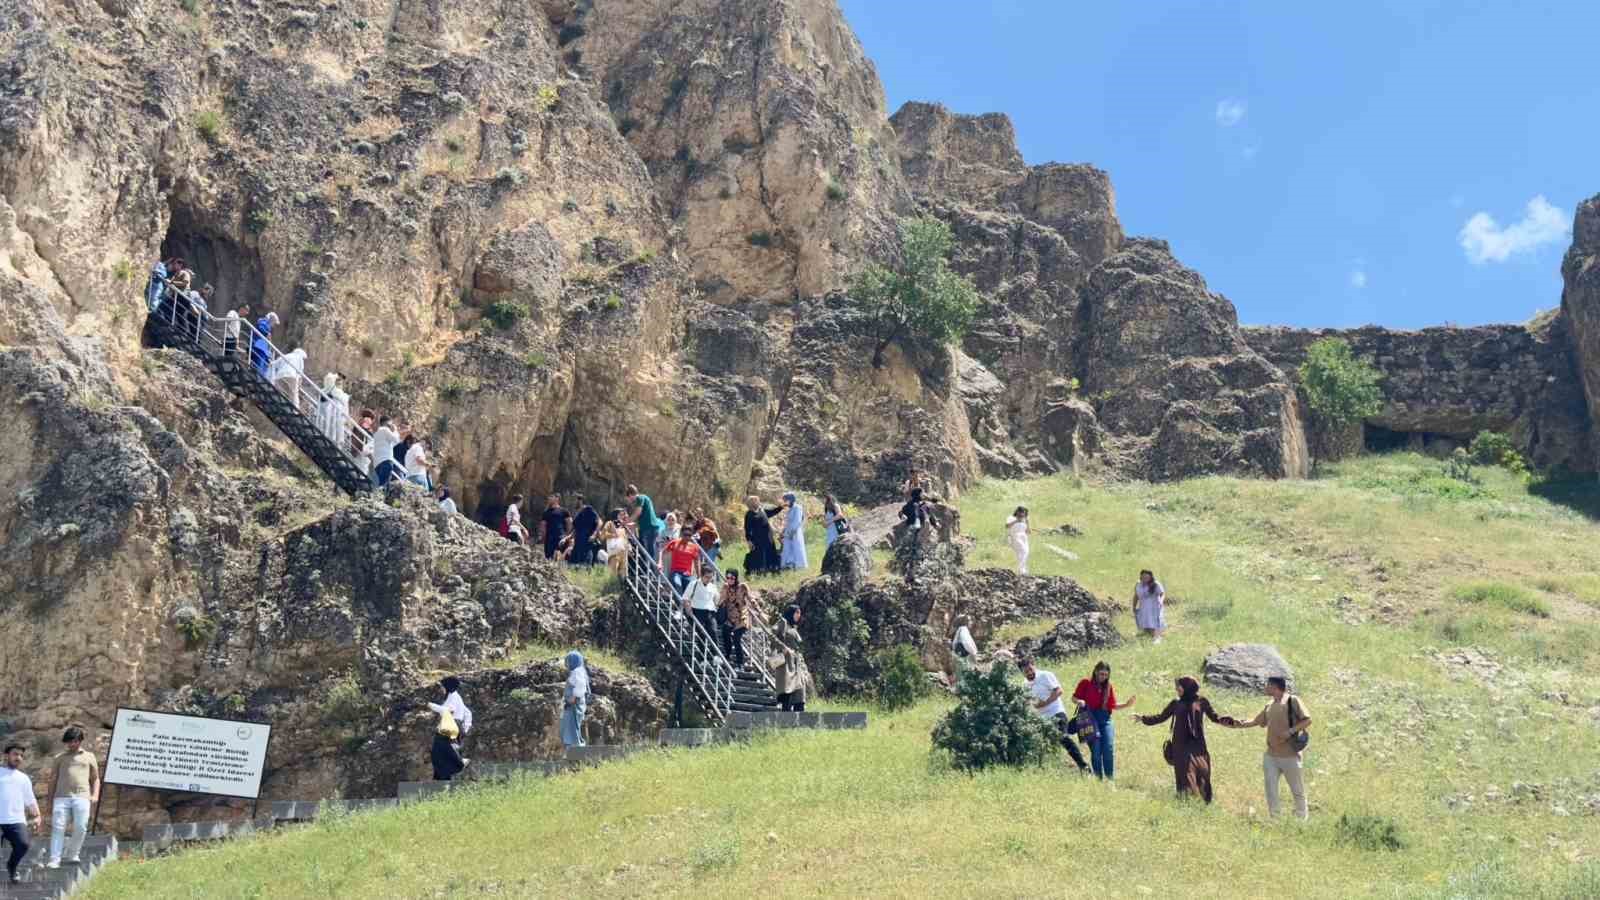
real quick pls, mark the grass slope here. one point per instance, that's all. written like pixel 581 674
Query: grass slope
pixel 1425 566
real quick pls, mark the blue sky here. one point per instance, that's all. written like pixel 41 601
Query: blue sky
pixel 1336 164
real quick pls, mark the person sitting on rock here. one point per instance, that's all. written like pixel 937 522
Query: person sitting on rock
pixel 1017 537
pixel 445 502
pixel 1046 690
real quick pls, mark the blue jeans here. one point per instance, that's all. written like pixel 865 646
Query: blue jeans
pixel 385 472
pixel 1102 757
pixel 76 809
pixel 680 582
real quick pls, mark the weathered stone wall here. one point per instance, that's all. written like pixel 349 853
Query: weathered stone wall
pixel 1580 305
pixel 1455 382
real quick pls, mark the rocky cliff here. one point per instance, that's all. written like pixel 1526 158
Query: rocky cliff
pixel 1580 304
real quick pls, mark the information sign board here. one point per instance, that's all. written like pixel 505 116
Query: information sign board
pixel 195 754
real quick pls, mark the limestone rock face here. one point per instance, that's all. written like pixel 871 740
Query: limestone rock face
pixel 1580 304
pixel 849 559
pixel 1452 383
pixel 1246 667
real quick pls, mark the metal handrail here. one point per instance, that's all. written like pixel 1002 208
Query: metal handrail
pixel 758 638
pixel 709 670
pixel 210 335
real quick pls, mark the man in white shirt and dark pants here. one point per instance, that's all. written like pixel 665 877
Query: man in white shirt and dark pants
pixel 700 599
pixel 19 808
pixel 1046 690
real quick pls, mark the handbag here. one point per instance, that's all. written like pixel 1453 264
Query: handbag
pixel 1167 752
pixel 1298 740
pixel 447 726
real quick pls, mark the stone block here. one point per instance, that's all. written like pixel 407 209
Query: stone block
pixel 739 719
pixel 690 737
pixel 774 719
pixel 157 834
pixel 185 831
pixel 854 720
pixel 211 831
pixel 808 720
pixel 418 790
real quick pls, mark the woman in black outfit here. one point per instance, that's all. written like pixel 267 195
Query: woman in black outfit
pixel 763 556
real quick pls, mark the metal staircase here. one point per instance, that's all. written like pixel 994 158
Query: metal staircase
pixel 718 687
pixel 315 422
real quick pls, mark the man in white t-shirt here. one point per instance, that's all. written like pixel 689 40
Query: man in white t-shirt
pixel 19 808
pixel 383 441
pixel 417 463
pixel 700 599
pixel 1046 690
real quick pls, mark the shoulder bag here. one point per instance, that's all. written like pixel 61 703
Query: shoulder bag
pixel 1298 740
pixel 1167 752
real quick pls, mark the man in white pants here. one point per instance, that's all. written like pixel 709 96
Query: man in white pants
pixel 73 791
pixel 1283 718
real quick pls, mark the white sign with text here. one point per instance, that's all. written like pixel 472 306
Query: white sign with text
pixel 171 752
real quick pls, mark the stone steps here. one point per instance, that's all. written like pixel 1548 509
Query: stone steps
pixel 41 883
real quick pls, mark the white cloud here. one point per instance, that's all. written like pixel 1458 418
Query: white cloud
pixel 1358 279
pixel 1485 240
pixel 1230 112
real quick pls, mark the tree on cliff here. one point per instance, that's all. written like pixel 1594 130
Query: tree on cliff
pixel 921 298
pixel 1341 389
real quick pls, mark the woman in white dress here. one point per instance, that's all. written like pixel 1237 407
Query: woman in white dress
pixel 285 373
pixel 1017 537
pixel 334 410
pixel 1150 605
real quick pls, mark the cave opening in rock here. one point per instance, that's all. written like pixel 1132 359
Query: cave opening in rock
pixel 235 271
pixel 1378 439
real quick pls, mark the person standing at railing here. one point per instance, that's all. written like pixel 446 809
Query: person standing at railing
pixel 383 444
pixel 700 600
pixel 361 443
pixel 157 285
pixel 785 662
pixel 681 558
pixel 333 411
pixel 285 373
pixel 230 329
pixel 260 349
pixel 736 610
pixel 644 519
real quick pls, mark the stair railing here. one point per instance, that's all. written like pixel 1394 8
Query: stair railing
pixel 758 638
pixel 708 670
pixel 210 335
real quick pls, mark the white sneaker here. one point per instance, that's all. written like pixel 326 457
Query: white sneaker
pixel 1156 641
pixel 53 864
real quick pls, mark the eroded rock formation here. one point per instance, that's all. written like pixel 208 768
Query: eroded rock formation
pixel 1580 304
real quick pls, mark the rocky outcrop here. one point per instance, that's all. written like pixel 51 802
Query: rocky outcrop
pixel 1451 383
pixel 1072 637
pixel 1580 304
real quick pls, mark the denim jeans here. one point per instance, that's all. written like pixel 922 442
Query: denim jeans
pixel 420 479
pixel 1102 756
pixel 17 835
pixel 76 809
pixel 680 582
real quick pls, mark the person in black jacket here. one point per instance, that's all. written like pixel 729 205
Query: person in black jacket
pixel 584 525
pixel 763 556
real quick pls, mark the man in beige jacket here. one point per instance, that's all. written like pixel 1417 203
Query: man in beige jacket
pixel 1284 718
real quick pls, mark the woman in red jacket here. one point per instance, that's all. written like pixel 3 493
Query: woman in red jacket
pixel 1097 698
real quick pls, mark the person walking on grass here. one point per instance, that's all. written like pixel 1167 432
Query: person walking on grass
pixel 1096 698
pixel 1150 606
pixel 74 789
pixel 1286 719
pixel 575 701
pixel 1017 537
pixel 1046 690
pixel 19 809
pixel 1186 751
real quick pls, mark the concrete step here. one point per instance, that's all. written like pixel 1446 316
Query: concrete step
pixel 697 737
pixel 412 791
pixel 778 719
pixel 595 753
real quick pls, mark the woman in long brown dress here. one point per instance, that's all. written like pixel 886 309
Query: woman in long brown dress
pixel 1191 762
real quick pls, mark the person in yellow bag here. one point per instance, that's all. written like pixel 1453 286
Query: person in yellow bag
pixel 455 719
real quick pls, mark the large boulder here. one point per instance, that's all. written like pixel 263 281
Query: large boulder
pixel 1246 667
pixel 1093 630
pixel 849 560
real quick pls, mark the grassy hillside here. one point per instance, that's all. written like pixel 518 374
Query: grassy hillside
pixel 1374 581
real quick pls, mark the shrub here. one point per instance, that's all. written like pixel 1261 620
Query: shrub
pixel 1369 832
pixel 1501 594
pixel 922 298
pixel 614 301
pixel 836 191
pixel 759 238
pixel 995 724
pixel 209 124
pixel 1340 389
pixel 453 389
pixel 1491 448
pixel 546 97
pixel 534 359
pixel 521 695
pixel 505 314
pixel 196 627
pixel 190 6
pixel 901 679
pixel 345 702
pixel 123 270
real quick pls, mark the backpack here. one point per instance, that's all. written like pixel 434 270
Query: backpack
pixel 505 526
pixel 841 526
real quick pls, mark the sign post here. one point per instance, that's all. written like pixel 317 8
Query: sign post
pixel 192 754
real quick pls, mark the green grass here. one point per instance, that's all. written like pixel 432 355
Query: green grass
pixel 1356 581
pixel 1509 596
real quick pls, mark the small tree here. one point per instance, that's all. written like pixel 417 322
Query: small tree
pixel 1341 389
pixel 901 678
pixel 995 724
pixel 921 298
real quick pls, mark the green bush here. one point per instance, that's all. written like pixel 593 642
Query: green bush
pixel 901 679
pixel 1491 448
pixel 123 270
pixel 345 702
pixel 197 629
pixel 835 190
pixel 454 388
pixel 505 314
pixel 1369 832
pixel 209 124
pixel 1340 389
pixel 759 238
pixel 1501 594
pixel 994 724
pixel 533 359
pixel 614 301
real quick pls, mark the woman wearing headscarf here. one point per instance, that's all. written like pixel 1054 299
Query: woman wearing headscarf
pixel 575 701
pixel 962 646
pixel 786 663
pixel 334 410
pixel 1186 751
pixel 763 555
pixel 285 373
pixel 794 534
